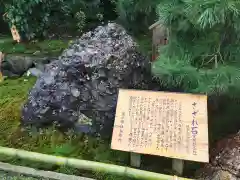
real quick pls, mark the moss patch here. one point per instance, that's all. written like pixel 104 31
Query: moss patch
pixel 46 47
pixel 13 93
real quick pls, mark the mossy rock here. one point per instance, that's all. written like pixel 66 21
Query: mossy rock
pixel 16 65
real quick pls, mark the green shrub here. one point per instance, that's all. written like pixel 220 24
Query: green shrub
pixel 39 18
pixel 81 17
pixel 4 26
pixel 32 17
pixel 202 52
pixel 136 15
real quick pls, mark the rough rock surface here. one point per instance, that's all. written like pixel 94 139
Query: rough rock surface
pixel 80 89
pixel 224 162
pixel 15 66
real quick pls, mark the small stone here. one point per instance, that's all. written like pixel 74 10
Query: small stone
pixel 34 72
pixel 75 92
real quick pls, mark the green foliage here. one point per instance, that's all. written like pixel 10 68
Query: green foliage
pixel 4 26
pixel 88 13
pixel 145 44
pixel 109 9
pixel 136 15
pixel 202 54
pixel 32 17
pixel 179 73
pixel 81 17
pixel 39 18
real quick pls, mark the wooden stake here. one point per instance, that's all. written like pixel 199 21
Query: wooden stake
pixel 1 59
pixel 15 34
pixel 135 160
pixel 177 166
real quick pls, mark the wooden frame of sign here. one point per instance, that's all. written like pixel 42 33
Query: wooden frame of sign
pixel 173 125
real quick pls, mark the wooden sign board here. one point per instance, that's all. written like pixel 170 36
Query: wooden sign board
pixel 166 124
pixel 15 34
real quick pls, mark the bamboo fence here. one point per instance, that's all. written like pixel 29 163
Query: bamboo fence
pixel 87 165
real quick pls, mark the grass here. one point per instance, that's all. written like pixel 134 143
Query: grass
pixel 13 93
pixel 39 48
pixel 55 47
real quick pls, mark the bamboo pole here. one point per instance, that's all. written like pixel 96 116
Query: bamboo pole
pixel 86 165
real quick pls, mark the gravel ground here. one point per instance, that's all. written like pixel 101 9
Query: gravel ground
pixel 13 176
pixel 13 172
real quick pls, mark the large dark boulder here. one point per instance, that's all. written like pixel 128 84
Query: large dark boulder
pixel 80 89
pixel 224 162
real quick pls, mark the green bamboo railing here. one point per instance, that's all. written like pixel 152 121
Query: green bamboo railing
pixel 87 165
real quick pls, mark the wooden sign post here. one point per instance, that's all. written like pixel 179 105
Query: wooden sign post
pixel 15 34
pixel 14 31
pixel 1 59
pixel 166 124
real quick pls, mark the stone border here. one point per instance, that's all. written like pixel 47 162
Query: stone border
pixel 38 173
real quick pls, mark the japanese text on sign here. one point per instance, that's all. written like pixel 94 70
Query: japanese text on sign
pixel 161 123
